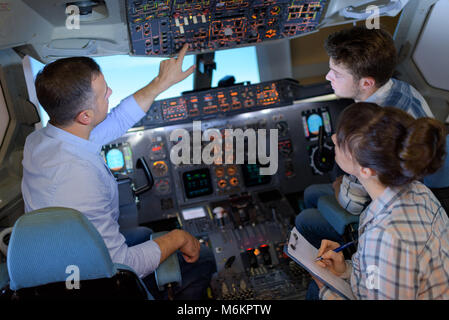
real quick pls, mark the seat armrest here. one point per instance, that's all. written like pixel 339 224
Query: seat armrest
pixel 338 217
pixel 120 266
pixel 168 271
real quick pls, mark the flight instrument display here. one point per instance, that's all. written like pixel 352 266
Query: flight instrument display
pixel 161 27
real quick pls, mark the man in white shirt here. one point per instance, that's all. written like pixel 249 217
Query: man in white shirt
pixel 62 165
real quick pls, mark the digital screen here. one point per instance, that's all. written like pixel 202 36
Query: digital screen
pixel 115 160
pixel 312 120
pixel 197 183
pixel 193 213
pixel 118 158
pixel 252 177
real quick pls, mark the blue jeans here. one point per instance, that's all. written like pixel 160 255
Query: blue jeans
pixel 195 276
pixel 314 192
pixel 314 227
pixel 310 222
pixel 313 292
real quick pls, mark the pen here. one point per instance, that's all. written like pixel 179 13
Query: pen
pixel 338 249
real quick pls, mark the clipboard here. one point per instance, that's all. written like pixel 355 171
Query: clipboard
pixel 304 254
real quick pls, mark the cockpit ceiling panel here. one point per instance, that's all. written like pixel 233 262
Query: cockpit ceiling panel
pixel 160 28
pixel 432 50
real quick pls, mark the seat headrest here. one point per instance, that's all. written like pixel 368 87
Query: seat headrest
pixel 440 179
pixel 46 243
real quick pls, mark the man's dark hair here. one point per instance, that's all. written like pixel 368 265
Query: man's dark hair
pixel 366 53
pixel 64 87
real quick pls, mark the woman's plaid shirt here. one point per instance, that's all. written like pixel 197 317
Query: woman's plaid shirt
pixel 403 249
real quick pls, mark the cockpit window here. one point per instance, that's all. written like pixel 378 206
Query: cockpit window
pixel 244 68
pixel 126 74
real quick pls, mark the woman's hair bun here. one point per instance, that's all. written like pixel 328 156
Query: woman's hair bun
pixel 390 141
pixel 423 149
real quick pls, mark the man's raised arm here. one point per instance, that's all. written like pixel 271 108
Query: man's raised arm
pixel 170 73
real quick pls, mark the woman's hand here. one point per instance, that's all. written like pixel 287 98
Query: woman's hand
pixel 334 261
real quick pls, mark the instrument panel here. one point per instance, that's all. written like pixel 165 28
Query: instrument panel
pixel 220 102
pixel 218 191
pixel 302 158
pixel 161 27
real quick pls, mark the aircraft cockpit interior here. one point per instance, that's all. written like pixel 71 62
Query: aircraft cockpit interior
pixel 227 153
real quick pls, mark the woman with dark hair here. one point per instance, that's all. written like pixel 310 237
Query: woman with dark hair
pixel 403 246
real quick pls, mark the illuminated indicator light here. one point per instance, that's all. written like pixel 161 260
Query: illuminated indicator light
pixel 231 171
pixel 222 183
pixel 275 10
pixel 256 252
pixel 219 172
pixel 234 181
pixel 270 33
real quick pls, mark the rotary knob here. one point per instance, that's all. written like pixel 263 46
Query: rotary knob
pixel 322 161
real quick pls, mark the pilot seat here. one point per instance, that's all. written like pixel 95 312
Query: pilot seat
pixel 56 253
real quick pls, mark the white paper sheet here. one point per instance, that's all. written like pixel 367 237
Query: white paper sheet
pixel 300 250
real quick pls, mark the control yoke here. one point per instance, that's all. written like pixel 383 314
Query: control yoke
pixel 142 164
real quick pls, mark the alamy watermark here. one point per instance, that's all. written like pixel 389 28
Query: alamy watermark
pixel 254 150
pixel 372 281
pixel 373 20
pixel 73 280
pixel 72 22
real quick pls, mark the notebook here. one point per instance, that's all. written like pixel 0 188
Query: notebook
pixel 303 253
